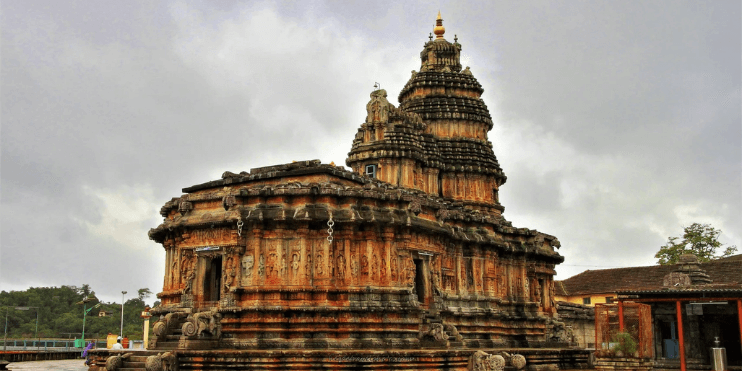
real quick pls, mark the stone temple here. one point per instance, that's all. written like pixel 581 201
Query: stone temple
pixel 404 263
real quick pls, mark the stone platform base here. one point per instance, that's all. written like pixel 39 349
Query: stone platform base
pixel 295 360
pixel 633 364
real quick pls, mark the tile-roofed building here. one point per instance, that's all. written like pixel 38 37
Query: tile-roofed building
pixel 691 303
pixel 597 285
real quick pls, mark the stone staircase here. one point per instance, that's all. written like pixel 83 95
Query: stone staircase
pixel 170 341
pixel 173 331
pixel 134 363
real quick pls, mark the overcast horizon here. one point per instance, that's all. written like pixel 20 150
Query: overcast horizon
pixel 616 123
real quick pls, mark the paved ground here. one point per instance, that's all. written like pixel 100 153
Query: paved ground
pixel 64 365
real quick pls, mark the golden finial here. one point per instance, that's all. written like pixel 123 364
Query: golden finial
pixel 439 30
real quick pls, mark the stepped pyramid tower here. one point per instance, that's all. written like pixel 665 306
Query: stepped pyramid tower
pixel 436 141
pixel 405 262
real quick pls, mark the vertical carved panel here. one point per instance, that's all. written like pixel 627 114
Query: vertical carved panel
pixel 294 256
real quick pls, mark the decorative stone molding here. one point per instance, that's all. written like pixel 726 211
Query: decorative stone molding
pixel 113 363
pixel 161 362
pixel 201 323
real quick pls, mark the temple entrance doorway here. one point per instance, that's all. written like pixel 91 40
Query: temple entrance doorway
pixel 213 279
pixel 419 281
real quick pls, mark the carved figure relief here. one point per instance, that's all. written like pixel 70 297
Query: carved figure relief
pixel 228 274
pixel 295 261
pixel 537 292
pixel 318 268
pixel 271 265
pixel 353 266
pixel 174 273
pixel 331 263
pixel 284 267
pixel 551 294
pixel 410 274
pixel 261 266
pixel 395 264
pixel 364 265
pixel 378 108
pixel 374 267
pixel 341 267
pixel 248 262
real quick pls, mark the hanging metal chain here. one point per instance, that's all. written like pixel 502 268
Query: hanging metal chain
pixel 330 223
pixel 240 223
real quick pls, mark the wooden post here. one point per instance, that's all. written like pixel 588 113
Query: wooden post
pixel 739 315
pixel 680 335
pixel 597 326
pixel 620 315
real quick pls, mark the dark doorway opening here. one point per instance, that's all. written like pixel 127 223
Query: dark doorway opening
pixel 668 336
pixel 213 279
pixel 419 281
pixel 440 185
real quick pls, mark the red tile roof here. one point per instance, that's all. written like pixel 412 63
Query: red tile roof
pixel 726 273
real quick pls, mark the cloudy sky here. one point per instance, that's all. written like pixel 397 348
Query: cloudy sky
pixel 617 123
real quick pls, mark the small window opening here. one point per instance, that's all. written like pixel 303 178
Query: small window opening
pixel 609 299
pixel 371 171
pixel 586 301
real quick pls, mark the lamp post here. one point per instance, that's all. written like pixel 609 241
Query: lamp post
pixel 85 311
pixel 122 313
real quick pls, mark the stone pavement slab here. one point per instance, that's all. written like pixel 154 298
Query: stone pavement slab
pixel 60 365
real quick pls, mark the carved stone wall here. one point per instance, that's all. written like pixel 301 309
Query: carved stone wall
pixel 267 262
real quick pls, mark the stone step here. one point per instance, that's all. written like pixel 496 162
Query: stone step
pixel 166 345
pixel 133 364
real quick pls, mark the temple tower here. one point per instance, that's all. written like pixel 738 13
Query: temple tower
pixel 436 141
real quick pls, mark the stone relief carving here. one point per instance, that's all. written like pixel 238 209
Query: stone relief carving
pixel 319 266
pixel 248 262
pixel 261 266
pixel 341 267
pixel 161 362
pixel 378 108
pixel 203 323
pixel 295 262
pixel 410 271
pixel 481 361
pixel 271 267
pixel 364 265
pixel 354 266
pixel 189 273
pixel 230 274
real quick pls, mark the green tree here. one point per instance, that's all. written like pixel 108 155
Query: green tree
pixel 701 240
pixel 144 293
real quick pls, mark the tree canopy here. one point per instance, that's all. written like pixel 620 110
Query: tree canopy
pixel 60 315
pixel 701 240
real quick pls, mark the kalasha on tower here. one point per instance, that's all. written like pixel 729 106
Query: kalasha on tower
pixel 409 252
